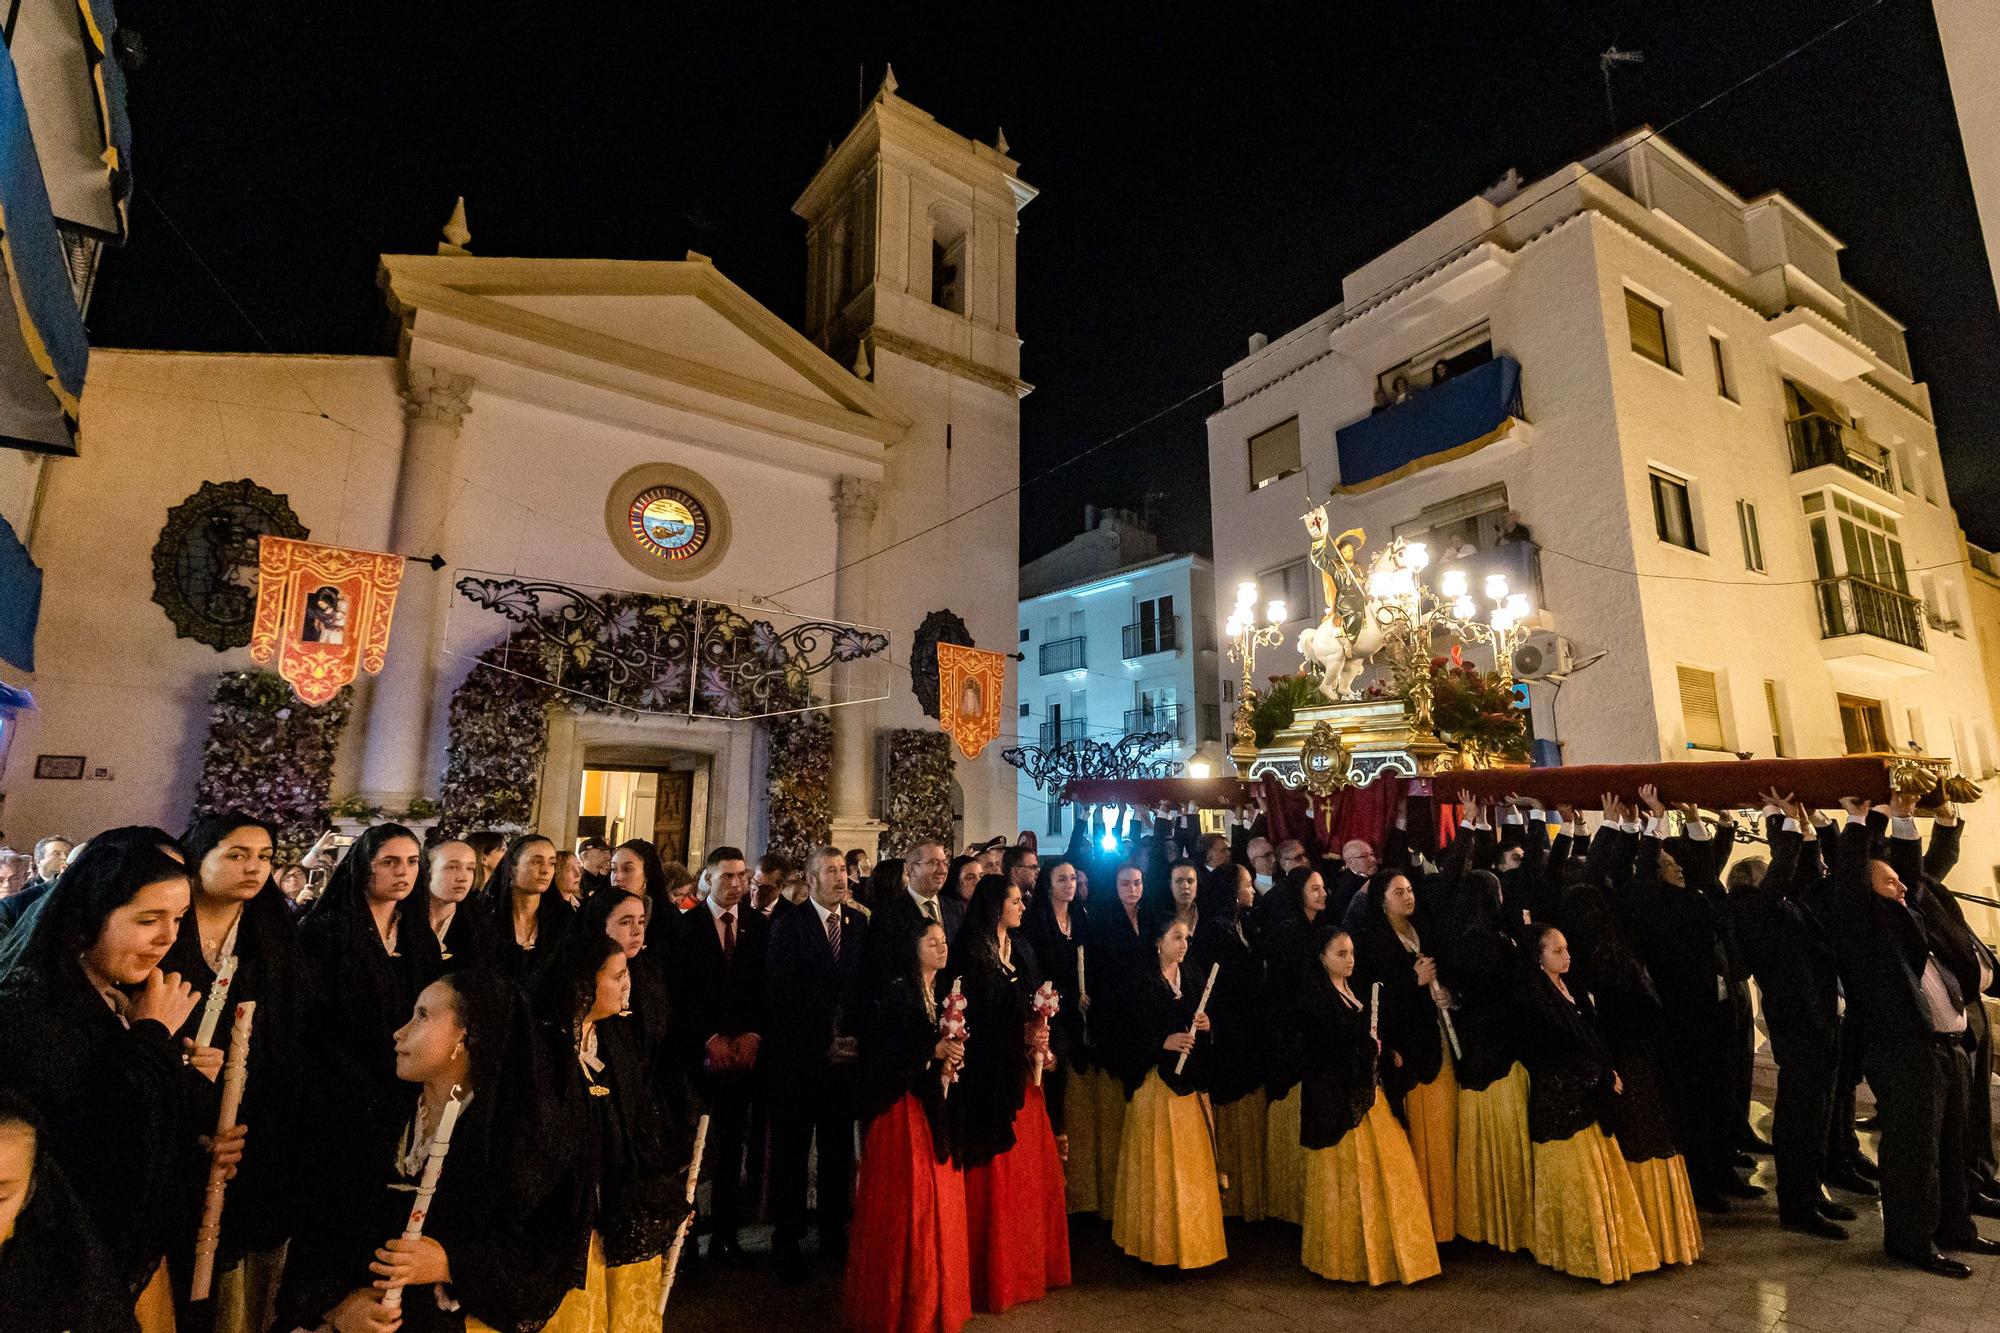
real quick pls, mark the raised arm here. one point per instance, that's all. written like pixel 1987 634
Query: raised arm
pixel 1945 831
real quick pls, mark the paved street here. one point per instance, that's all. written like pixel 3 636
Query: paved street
pixel 1754 1278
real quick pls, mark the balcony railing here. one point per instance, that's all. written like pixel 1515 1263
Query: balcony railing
pixel 1062 655
pixel 1461 413
pixel 1819 440
pixel 1152 636
pixel 1063 732
pixel 1160 717
pixel 1856 606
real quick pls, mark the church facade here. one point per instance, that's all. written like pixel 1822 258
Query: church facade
pixel 595 426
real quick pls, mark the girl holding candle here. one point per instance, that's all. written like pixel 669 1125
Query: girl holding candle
pixel 1055 927
pixel 1366 1219
pixel 1291 914
pixel 1016 1223
pixel 1482 968
pixel 528 920
pixel 908 1268
pixel 1169 1209
pixel 369 950
pixel 1587 1216
pixel 239 912
pixel 498 1247
pixel 1114 962
pixel 86 1024
pixel 636 1171
pixel 1419 1075
pixel 1236 1065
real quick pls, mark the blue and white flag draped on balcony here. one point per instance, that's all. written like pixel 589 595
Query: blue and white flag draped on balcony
pixel 1438 424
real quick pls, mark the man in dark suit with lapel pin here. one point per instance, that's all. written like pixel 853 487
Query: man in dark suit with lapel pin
pixel 719 1004
pixel 813 978
pixel 906 913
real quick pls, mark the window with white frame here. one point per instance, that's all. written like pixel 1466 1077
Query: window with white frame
pixel 1274 454
pixel 1673 510
pixel 1753 541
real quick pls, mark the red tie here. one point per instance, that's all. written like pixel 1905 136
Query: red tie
pixel 729 934
pixel 833 933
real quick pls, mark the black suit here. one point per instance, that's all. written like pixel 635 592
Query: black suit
pixel 895 924
pixel 813 998
pixel 720 996
pixel 1919 1075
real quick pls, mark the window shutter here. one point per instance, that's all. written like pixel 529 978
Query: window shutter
pixel 1649 328
pixel 1274 453
pixel 1701 709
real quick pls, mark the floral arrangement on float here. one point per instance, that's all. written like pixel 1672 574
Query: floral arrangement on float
pixel 1472 711
pixel 919 796
pixel 271 755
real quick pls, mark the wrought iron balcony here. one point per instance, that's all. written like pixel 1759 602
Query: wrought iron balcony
pixel 1063 732
pixel 1818 441
pixel 1062 655
pixel 1856 606
pixel 1160 717
pixel 1152 636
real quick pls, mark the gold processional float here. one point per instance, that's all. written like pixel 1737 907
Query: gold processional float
pixel 1385 611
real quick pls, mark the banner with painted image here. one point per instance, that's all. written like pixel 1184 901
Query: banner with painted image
pixel 972 687
pixel 323 612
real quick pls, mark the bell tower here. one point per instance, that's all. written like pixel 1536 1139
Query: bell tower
pixel 910 245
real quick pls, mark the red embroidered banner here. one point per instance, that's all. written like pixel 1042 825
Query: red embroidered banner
pixel 324 612
pixel 972 686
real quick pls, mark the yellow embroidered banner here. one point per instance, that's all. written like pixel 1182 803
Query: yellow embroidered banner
pixel 323 611
pixel 972 686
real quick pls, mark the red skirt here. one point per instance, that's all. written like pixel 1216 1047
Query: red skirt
pixel 1017 1217
pixel 906 1254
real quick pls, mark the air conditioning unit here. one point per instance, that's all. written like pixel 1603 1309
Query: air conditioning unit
pixel 1541 655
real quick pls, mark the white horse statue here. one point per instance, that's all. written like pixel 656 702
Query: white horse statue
pixel 1348 636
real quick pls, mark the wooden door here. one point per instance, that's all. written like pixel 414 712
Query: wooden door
pixel 671 808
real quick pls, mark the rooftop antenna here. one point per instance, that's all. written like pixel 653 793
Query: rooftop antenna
pixel 1608 61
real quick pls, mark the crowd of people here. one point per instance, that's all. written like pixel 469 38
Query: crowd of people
pixel 1537 1039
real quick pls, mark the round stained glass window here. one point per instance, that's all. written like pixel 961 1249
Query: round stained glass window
pixel 668 523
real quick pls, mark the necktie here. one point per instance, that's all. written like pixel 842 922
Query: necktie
pixel 729 934
pixel 833 933
pixel 930 909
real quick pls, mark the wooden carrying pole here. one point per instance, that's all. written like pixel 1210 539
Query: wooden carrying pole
pixel 235 1072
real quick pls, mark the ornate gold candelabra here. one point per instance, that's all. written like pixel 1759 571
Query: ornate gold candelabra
pixel 1245 637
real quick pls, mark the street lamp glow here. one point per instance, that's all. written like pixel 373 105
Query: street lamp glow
pixel 1198 768
pixel 1496 587
pixel 1454 584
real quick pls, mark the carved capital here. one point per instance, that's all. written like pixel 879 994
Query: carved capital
pixel 430 394
pixel 856 498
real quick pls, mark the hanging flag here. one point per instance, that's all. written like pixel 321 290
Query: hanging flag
pixel 323 611
pixel 972 685
pixel 20 601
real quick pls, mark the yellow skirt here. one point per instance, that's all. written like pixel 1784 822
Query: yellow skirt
pixel 1094 1109
pixel 1667 1202
pixel 1432 1112
pixel 1239 1156
pixel 1496 1169
pixel 625 1299
pixel 1365 1212
pixel 1169 1210
pixel 1587 1217
pixel 1284 1161
pixel 154 1308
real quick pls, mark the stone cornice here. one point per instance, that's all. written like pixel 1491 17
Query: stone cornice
pixel 891 341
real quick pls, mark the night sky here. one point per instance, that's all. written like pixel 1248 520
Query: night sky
pixel 1206 171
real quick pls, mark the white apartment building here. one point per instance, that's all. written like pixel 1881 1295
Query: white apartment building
pixel 1730 479
pixel 1117 639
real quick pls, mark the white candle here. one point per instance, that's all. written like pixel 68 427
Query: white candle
pixel 427 1184
pixel 218 997
pixel 1200 1008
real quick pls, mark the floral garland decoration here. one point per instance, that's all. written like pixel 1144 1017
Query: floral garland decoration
pixel 1472 711
pixel 270 755
pixel 919 803
pixel 801 807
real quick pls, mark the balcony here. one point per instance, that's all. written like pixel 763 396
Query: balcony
pixel 1437 425
pixel 1063 732
pixel 1874 627
pixel 1062 655
pixel 1821 441
pixel 1161 717
pixel 1152 636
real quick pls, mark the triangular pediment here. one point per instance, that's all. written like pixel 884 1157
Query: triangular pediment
pixel 675 324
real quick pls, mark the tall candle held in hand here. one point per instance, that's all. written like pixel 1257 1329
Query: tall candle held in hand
pixel 218 999
pixel 1375 1010
pixel 1200 1008
pixel 427 1184
pixel 235 1072
pixel 686 1227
